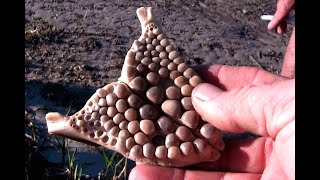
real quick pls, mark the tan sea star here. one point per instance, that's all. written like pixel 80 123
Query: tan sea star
pixel 147 115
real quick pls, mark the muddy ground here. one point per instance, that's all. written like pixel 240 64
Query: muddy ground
pixel 73 47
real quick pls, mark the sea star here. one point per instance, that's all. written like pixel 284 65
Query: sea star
pixel 147 115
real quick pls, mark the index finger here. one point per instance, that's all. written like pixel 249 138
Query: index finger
pixel 284 8
pixel 230 77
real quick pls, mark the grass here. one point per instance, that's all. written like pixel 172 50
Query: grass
pixel 115 166
pixel 75 173
pixel 40 31
pixel 73 167
pixel 115 162
pixel 62 141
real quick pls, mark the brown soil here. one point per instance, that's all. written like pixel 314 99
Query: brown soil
pixel 74 47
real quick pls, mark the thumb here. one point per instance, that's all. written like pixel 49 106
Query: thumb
pixel 262 110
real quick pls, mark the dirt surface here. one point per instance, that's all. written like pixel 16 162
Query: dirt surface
pixel 74 47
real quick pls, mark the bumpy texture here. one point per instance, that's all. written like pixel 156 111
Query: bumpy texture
pixel 147 115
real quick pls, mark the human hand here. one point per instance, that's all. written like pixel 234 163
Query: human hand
pixel 245 99
pixel 284 7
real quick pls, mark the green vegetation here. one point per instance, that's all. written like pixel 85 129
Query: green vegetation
pixel 115 162
pixel 74 173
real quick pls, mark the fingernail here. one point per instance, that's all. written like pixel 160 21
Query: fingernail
pixel 205 91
